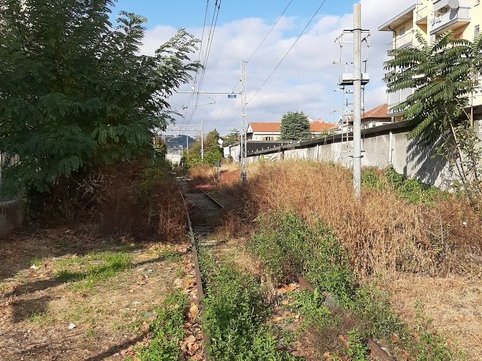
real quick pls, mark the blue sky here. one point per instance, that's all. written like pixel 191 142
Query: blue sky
pixel 306 80
pixel 190 13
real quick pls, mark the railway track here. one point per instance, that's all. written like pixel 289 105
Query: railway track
pixel 203 213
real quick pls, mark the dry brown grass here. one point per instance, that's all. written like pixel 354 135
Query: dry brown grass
pixel 451 305
pixel 144 202
pixel 203 173
pixel 382 233
pixel 111 316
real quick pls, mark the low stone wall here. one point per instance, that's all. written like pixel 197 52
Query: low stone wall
pixel 11 216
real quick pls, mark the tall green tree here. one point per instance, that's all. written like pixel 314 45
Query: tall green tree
pixel 232 138
pixel 444 75
pixel 212 151
pixel 76 92
pixel 295 126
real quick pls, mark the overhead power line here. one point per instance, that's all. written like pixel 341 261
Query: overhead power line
pixel 237 82
pixel 203 56
pixel 269 32
pixel 288 51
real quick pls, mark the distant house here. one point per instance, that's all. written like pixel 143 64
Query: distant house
pixel 258 131
pixel 376 116
pixel 371 118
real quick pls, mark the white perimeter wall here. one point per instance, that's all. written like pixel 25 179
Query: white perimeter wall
pixel 382 151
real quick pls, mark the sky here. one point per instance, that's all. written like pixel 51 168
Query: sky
pixel 306 80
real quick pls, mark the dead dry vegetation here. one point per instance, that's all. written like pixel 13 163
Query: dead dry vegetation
pixel 88 277
pixel 383 233
pixel 412 242
pixel 74 295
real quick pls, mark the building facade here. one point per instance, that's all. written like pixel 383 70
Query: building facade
pixel 431 18
pixel 258 131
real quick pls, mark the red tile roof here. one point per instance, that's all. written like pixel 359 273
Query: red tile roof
pixel 379 112
pixel 321 126
pixel 275 127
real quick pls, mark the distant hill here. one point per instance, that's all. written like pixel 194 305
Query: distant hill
pixel 177 141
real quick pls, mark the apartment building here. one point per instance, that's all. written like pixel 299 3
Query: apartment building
pixel 431 18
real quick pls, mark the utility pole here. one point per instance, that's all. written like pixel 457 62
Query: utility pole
pixel 357 82
pixel 243 141
pixel 202 139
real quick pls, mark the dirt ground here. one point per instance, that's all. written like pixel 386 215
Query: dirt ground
pixel 452 306
pixel 70 295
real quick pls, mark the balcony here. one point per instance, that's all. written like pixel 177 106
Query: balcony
pixel 404 40
pixel 449 19
pixel 396 98
pixel 421 15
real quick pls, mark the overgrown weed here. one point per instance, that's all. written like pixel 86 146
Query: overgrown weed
pixel 167 330
pixel 235 311
pixel 383 233
pixel 338 305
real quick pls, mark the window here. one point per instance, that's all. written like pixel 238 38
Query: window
pixel 476 31
pixel 402 31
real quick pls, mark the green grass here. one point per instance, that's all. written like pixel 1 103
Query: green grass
pixel 170 255
pixel 409 189
pixel 40 318
pixel 92 269
pixel 234 315
pixel 36 261
pixel 286 245
pixel 167 330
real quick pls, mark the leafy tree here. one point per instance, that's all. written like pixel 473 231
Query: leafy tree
pixel 212 151
pixel 295 126
pixel 443 75
pixel 76 92
pixel 232 138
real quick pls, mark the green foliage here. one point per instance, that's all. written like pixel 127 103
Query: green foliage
pixel 97 267
pixel 409 189
pixel 311 306
pixel 212 152
pixel 357 349
pixel 76 92
pixel 287 246
pixel 234 315
pixel 232 138
pixel 444 76
pixel 372 306
pixel 167 330
pixel 295 126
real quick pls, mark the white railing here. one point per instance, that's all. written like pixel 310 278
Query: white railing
pixel 403 40
pixel 452 16
pixel 421 13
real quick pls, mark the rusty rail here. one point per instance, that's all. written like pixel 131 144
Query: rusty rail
pixel 197 270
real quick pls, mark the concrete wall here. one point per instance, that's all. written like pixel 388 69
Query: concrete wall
pixel 11 216
pixel 390 148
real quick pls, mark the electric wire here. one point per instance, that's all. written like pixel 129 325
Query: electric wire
pixel 287 52
pixel 206 10
pixel 283 58
pixel 204 62
pixel 269 32
pixel 236 83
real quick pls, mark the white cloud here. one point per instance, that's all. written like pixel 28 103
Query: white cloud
pixel 305 81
